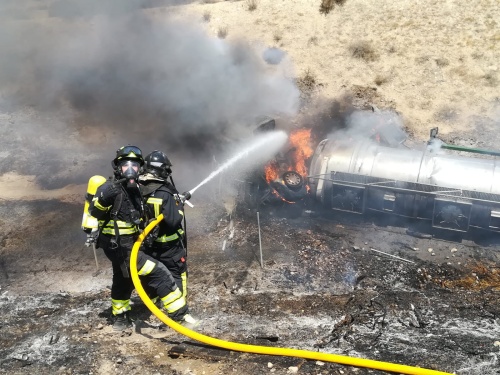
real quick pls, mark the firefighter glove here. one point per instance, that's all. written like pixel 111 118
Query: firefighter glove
pixel 152 236
pixel 109 194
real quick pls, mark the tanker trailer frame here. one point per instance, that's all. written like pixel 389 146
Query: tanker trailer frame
pixel 452 193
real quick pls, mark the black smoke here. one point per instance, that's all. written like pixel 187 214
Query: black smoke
pixel 109 73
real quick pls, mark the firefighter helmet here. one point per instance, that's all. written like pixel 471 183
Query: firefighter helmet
pixel 158 164
pixel 127 153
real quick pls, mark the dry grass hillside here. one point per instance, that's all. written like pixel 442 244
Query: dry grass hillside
pixel 436 63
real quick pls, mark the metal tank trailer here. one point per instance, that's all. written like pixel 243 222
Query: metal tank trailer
pixel 453 193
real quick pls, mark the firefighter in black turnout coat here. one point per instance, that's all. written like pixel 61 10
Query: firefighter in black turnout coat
pixel 168 243
pixel 119 207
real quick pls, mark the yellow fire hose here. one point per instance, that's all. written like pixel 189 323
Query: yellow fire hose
pixel 326 357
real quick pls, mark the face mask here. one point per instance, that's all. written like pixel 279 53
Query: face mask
pixel 130 170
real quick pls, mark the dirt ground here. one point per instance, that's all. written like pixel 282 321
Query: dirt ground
pixel 361 287
pixel 322 288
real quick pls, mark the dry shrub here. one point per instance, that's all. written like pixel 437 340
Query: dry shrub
pixel 222 32
pixel 277 36
pixel 328 5
pixel 491 79
pixel 491 24
pixel 422 59
pixel 307 82
pixel 313 40
pixel 251 5
pixel 381 79
pixel 364 51
pixel 442 62
pixel 207 16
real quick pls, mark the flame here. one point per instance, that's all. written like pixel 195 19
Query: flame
pixel 300 141
pixel 280 197
pixel 272 171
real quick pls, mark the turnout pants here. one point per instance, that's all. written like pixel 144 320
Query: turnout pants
pixel 153 274
pixel 173 257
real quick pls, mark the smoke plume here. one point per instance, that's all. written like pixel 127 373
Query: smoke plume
pixel 110 73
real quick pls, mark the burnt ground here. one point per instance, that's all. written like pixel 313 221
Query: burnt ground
pixel 322 288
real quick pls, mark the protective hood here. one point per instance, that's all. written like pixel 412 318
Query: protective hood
pixel 149 177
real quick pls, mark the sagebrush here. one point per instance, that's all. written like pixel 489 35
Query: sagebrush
pixel 251 5
pixel 307 82
pixel 364 51
pixel 328 5
pixel 222 32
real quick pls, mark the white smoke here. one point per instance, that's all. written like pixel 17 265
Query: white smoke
pixel 366 124
pixel 434 146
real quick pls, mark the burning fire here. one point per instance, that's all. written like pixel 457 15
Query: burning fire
pixel 272 169
pixel 299 140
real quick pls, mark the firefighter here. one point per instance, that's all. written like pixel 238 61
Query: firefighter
pixel 119 208
pixel 168 243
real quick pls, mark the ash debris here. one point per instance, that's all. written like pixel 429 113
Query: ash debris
pixel 321 288
pixel 342 297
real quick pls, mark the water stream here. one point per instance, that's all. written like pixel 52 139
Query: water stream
pixel 266 144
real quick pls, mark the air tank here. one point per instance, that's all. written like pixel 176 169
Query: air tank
pixel 453 192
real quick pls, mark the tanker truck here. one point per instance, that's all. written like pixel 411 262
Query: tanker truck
pixel 452 193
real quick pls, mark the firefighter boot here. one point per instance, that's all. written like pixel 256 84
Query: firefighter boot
pixel 122 322
pixel 190 322
pixel 157 301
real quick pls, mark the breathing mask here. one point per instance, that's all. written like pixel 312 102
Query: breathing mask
pixel 129 169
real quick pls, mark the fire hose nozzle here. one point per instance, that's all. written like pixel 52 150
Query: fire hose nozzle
pixel 184 197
